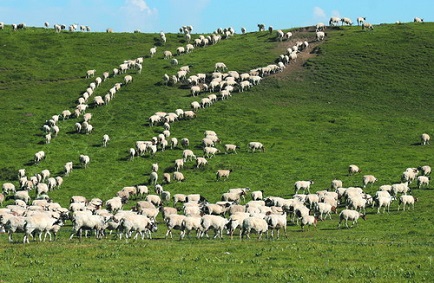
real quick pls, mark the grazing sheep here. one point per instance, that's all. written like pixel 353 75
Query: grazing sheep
pixel 253 146
pixel 361 20
pixel 84 160
pixel 128 79
pixel 217 223
pixel 210 152
pixel 302 185
pixel 188 154
pixel 231 148
pixel 220 66
pixel 39 156
pixel 336 184
pixel 405 199
pixel 90 74
pixel 352 215
pixel 422 181
pixel 105 140
pixel 153 178
pixel 424 139
pixel 418 20
pixel 367 26
pixel 320 35
pixel 308 220
pixel 347 21
pixel 353 169
pixel 223 174
pixel 334 21
pixel 201 162
pixel 324 208
pixel 8 188
pixel 254 223
pixel 178 176
pixel 22 195
pixel 173 221
pixel 368 179
pixel 384 201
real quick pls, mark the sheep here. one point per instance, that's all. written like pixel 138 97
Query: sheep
pixel 38 222
pixel 39 156
pixel 254 223
pixel 179 198
pixel 422 181
pixel 105 140
pixel 84 160
pixel 223 174
pixel 90 74
pixel 8 188
pixel 308 220
pixel 215 222
pixel 14 223
pixel 215 209
pixel 368 179
pixel 173 221
pixel 188 154
pixel 361 20
pixel 320 35
pixel 347 21
pixel 233 196
pixel 405 199
pixel 68 168
pixel 190 223
pixel 210 152
pixel 220 66
pixel 384 201
pixel 152 51
pixel 276 222
pixel 201 162
pixel 367 26
pixel 424 139
pixel 352 215
pixel 302 185
pixel 409 175
pixel 324 208
pixel 128 79
pixel 253 146
pixel 334 21
pixel 141 224
pixel 418 20
pixel 22 195
pixel 336 184
pixel 400 188
pixel 195 90
pixel 153 178
pixel 353 169
pixel 178 176
pixel 180 50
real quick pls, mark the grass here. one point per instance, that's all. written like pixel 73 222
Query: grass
pixel 364 99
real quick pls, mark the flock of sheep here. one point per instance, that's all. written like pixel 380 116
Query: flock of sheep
pixel 261 214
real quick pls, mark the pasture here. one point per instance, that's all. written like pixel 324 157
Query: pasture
pixel 361 97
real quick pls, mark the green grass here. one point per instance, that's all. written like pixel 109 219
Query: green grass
pixel 364 99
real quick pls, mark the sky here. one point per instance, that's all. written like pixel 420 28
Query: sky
pixel 154 16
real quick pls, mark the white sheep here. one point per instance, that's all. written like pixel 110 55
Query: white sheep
pixel 400 188
pixel 8 188
pixel 223 174
pixel 201 162
pixel 220 66
pixel 366 25
pixel 173 221
pixel 368 179
pixel 210 152
pixel 167 54
pixel 189 224
pixel 84 160
pixel 422 181
pixel 418 20
pixel 361 20
pixel 253 146
pixel 308 220
pixel 353 169
pixel 153 178
pixel 254 223
pixel 152 51
pixel 215 222
pixel 424 139
pixel 352 215
pixel 178 176
pixel 128 79
pixel 347 21
pixel 384 201
pixel 334 21
pixel 188 154
pixel 68 168
pixel 302 185
pixel 90 74
pixel 406 200
pixel 320 35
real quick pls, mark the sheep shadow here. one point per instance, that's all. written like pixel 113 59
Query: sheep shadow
pixel 417 144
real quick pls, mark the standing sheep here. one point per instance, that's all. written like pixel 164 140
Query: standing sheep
pixel 223 174
pixel 424 139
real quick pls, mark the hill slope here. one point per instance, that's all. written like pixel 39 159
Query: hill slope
pixel 363 98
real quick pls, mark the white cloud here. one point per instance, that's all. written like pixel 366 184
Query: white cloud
pixel 318 13
pixel 140 4
pixel 138 15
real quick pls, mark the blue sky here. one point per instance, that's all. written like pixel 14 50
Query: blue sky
pixel 206 15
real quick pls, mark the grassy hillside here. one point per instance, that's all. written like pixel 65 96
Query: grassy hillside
pixel 364 99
